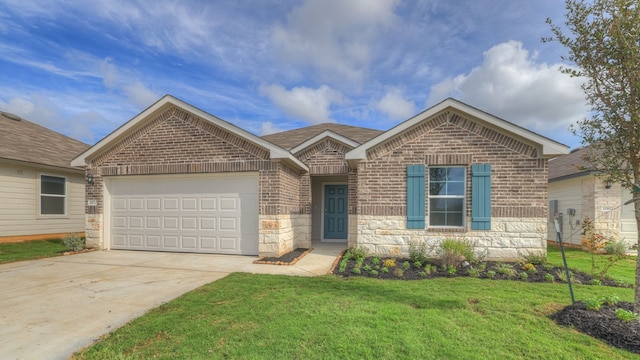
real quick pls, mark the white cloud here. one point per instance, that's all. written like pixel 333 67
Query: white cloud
pixel 269 127
pixel 395 105
pixel 136 92
pixel 140 95
pixel 511 84
pixel 333 36
pixel 310 105
pixel 43 111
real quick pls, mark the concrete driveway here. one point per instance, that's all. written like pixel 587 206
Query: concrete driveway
pixel 53 307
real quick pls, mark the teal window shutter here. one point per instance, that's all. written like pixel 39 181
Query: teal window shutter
pixel 481 197
pixel 415 196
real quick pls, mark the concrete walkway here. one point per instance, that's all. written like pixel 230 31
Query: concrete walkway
pixel 53 307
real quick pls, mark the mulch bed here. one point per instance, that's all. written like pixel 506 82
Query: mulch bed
pixel 289 258
pixel 602 324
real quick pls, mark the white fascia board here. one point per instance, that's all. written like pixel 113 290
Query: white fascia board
pixel 548 147
pixel 274 151
pixel 321 136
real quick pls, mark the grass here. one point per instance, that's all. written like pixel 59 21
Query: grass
pixel 29 250
pixel 249 316
pixel 577 259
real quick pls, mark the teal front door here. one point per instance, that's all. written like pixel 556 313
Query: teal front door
pixel 335 211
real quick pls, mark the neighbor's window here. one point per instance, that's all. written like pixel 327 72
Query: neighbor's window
pixel 53 195
pixel 446 196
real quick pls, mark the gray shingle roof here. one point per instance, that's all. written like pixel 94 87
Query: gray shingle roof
pixel 569 165
pixel 23 140
pixel 292 138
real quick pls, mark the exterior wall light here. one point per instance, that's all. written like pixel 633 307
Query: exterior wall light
pixel 90 179
pixel 607 184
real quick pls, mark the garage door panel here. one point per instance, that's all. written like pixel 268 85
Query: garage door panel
pixel 171 204
pixel 189 204
pixel 193 213
pixel 154 204
pixel 209 203
pixel 171 222
pixel 189 223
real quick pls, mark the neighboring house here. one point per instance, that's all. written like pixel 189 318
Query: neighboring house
pixel 576 192
pixel 175 178
pixel 41 194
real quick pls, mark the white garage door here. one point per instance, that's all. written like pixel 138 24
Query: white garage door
pixel 187 213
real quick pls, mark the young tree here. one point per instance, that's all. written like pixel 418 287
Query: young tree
pixel 603 40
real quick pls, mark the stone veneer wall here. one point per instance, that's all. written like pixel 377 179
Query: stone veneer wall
pixel 177 142
pixel 508 239
pixel 519 186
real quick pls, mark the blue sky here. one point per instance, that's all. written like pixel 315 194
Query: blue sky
pixel 83 68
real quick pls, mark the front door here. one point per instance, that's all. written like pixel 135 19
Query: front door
pixel 335 212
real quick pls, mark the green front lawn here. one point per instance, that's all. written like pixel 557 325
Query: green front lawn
pixel 577 259
pixel 245 316
pixel 29 250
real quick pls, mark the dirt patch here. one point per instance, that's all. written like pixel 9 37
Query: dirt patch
pixel 289 258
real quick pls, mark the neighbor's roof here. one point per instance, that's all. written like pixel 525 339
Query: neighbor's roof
pixel 570 165
pixel 292 138
pixel 23 140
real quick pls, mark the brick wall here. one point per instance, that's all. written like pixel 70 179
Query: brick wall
pixel 519 178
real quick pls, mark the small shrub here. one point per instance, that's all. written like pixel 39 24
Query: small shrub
pixel 417 264
pixel 418 252
pixel 562 275
pixel 473 272
pixel 374 272
pixel 398 272
pixel 434 269
pixel 356 270
pixel 490 274
pixel 375 260
pixel 73 242
pixel 528 267
pixel 625 315
pixel 620 283
pixel 535 258
pixel 357 253
pixel 547 267
pixel 616 247
pixel 482 266
pixel 610 300
pixel 595 282
pixel 453 252
pixel 505 269
pixel 366 268
pixel 343 265
pixel 384 270
pixel 389 263
pixel 524 276
pixel 406 265
pixel 451 270
pixel 422 274
pixel 548 278
pixel 593 304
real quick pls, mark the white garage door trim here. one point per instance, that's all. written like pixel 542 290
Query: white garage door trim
pixel 202 213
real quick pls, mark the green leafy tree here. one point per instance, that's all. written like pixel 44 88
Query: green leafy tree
pixel 603 41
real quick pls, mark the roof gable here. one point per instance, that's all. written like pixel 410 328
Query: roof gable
pixel 291 139
pixel 547 148
pixel 22 140
pixel 162 105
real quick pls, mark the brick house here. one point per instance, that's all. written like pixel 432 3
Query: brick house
pixel 175 178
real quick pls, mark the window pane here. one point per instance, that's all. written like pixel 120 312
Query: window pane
pixel 454 219
pixel 50 205
pixel 454 205
pixel 437 219
pixel 456 173
pixel 455 188
pixel 52 185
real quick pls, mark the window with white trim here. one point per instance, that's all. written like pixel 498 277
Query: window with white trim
pixel 53 195
pixel 447 189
